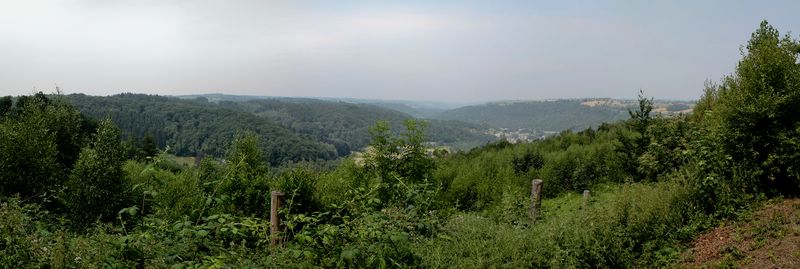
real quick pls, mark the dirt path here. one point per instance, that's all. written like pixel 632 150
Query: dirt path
pixel 771 239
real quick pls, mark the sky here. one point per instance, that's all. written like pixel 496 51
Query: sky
pixel 452 51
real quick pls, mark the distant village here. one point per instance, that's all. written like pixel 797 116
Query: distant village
pixel 519 135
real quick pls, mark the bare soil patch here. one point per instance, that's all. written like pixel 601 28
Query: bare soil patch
pixel 769 239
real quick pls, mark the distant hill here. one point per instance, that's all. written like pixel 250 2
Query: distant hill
pixel 555 115
pixel 291 129
pixel 191 127
pixel 346 125
pixel 417 109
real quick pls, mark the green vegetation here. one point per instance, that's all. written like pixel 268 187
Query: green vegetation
pixel 290 129
pixel 70 199
pixel 554 115
pixel 346 125
pixel 198 128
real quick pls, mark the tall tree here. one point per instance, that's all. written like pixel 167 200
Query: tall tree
pixel 39 141
pixel 149 148
pixel 756 113
pixel 5 106
pixel 246 178
pixel 95 190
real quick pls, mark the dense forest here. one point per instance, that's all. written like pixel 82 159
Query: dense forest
pixel 346 125
pixel 195 127
pixel 417 109
pixel 291 129
pixel 70 198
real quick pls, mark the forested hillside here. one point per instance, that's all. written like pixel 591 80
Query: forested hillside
pixel 292 128
pixel 69 198
pixel 193 127
pixel 556 115
pixel 346 125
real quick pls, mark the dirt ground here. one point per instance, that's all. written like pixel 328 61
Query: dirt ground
pixel 770 239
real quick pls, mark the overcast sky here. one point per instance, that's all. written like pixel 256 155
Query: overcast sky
pixel 417 50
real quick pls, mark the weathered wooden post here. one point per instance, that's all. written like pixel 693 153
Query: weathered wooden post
pixel 586 194
pixel 536 198
pixel 274 218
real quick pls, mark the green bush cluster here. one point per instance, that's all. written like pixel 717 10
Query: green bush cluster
pixel 629 225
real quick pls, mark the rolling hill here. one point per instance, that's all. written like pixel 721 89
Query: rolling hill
pixel 193 127
pixel 346 125
pixel 291 129
pixel 555 115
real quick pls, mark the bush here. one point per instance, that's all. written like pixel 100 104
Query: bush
pixel 298 185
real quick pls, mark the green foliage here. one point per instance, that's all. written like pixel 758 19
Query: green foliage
pixel 168 195
pixel 28 157
pixel 16 248
pixel 357 233
pixel 633 225
pixel 32 242
pixel 640 118
pixel 567 162
pixel 398 162
pixel 579 167
pixel 95 189
pixel 635 139
pixel 40 139
pixel 298 185
pixel 668 147
pixel 706 103
pixel 346 125
pixel 528 161
pixel 140 150
pixel 246 182
pixel 5 106
pixel 756 117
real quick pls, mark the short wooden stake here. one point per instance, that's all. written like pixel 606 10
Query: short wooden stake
pixel 536 198
pixel 586 194
pixel 274 218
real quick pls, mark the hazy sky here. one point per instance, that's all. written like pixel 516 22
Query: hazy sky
pixel 419 50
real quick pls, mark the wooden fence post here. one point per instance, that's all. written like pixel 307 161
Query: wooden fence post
pixel 536 198
pixel 586 194
pixel 274 218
